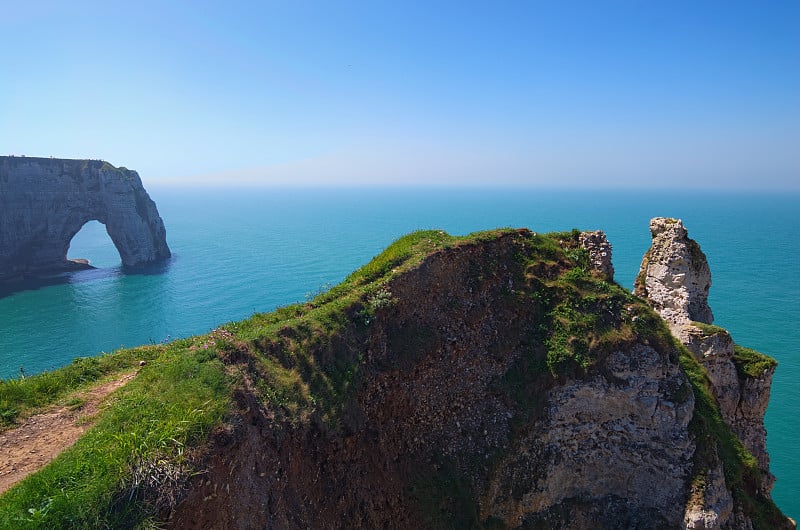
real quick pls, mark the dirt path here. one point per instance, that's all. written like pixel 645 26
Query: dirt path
pixel 42 437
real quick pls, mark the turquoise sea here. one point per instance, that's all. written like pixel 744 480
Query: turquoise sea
pixel 238 251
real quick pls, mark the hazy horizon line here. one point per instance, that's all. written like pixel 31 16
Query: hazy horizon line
pixel 188 182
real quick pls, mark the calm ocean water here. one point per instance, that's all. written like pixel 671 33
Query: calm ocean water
pixel 241 251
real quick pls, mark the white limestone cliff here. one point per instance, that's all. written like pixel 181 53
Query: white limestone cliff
pixel 675 279
pixel 44 202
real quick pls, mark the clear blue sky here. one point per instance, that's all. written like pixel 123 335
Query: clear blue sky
pixel 595 93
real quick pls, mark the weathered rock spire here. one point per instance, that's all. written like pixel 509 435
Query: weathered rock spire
pixel 674 276
pixel 599 249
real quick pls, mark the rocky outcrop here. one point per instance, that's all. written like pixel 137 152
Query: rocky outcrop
pixel 675 280
pixel 44 202
pixel 599 249
pixel 633 419
pixel 711 506
pixel 743 395
pixel 675 277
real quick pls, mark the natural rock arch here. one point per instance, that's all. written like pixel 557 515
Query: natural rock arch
pixel 44 202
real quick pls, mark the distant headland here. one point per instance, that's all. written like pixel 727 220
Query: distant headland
pixel 44 202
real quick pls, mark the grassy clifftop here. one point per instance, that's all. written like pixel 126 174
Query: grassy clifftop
pixel 316 378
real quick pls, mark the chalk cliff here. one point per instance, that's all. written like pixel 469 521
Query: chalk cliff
pixel 675 279
pixel 500 381
pixel 44 202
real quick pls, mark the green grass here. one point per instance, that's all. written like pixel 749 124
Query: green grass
pixel 586 317
pixel 408 250
pixel 639 284
pixel 102 481
pixel 308 364
pixel 709 329
pixel 750 363
pixel 21 397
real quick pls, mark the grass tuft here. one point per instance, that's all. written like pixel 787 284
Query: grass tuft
pixel 750 363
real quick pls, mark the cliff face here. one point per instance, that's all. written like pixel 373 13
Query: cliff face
pixel 504 381
pixel 44 202
pixel 675 280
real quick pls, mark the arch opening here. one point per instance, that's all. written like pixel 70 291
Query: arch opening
pixel 93 244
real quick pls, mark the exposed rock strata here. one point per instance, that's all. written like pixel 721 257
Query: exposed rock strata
pixel 44 202
pixel 675 279
pixel 633 419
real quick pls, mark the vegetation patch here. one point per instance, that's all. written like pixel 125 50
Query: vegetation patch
pixel 709 329
pixel 750 363
pixel 446 500
pixel 104 480
pixel 587 318
pixel 24 396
